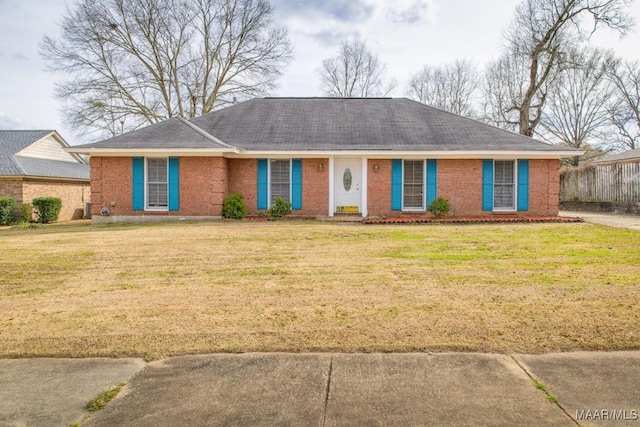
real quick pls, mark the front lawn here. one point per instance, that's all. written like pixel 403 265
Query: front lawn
pixel 167 289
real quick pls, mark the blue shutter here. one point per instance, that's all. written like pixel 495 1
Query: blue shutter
pixel 263 184
pixel 174 184
pixel 396 184
pixel 432 180
pixel 296 184
pixel 523 185
pixel 138 184
pixel 487 185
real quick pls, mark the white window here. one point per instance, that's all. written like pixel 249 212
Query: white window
pixel 157 174
pixel 280 180
pixel 504 185
pixel 413 185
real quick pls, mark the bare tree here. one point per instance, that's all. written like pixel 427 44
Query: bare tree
pixel 355 72
pixel 450 87
pixel 576 114
pixel 540 33
pixel 129 63
pixel 504 86
pixel 624 109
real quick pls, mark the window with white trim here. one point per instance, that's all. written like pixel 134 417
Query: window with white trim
pixel 504 185
pixel 413 184
pixel 157 183
pixel 280 180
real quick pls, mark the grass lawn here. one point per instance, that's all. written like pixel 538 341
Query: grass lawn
pixel 156 290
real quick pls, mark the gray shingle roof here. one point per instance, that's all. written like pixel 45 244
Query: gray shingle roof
pixel 14 141
pixel 175 132
pixel 626 156
pixel 356 124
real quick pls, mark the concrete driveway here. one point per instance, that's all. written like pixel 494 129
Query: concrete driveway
pixel 452 389
pixel 613 220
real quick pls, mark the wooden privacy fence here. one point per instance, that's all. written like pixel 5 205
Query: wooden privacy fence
pixel 617 182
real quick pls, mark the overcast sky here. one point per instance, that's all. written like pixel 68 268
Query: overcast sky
pixel 406 34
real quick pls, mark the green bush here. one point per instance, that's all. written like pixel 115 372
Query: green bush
pixel 47 209
pixel 233 206
pixel 280 208
pixel 439 207
pixel 7 204
pixel 26 213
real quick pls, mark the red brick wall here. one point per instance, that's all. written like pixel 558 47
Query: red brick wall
pixel 379 187
pixel 205 181
pixel 243 179
pixel 203 186
pixel 315 187
pixel 460 181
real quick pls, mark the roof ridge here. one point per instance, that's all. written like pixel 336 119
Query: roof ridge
pixel 206 134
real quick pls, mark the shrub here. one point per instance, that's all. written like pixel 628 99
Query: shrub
pixel 26 213
pixel 47 209
pixel 7 204
pixel 439 207
pixel 280 208
pixel 234 207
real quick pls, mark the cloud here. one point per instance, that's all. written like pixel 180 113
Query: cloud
pixel 7 122
pixel 20 56
pixel 341 10
pixel 331 38
pixel 414 14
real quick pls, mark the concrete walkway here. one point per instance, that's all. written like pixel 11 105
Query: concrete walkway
pixel 452 389
pixel 613 220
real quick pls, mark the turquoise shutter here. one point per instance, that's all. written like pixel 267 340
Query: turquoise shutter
pixel 174 184
pixel 487 185
pixel 296 184
pixel 396 184
pixel 432 180
pixel 138 184
pixel 523 185
pixel 263 184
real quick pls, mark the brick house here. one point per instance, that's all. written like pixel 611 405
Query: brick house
pixel 34 163
pixel 326 156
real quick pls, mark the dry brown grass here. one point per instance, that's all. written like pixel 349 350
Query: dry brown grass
pixel 159 290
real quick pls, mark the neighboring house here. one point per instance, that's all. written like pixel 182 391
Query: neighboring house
pixel 34 163
pixel 327 156
pixel 631 156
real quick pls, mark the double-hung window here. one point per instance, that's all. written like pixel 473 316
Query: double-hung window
pixel 157 183
pixel 413 185
pixel 280 180
pixel 504 185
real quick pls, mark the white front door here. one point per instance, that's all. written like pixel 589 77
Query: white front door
pixel 347 183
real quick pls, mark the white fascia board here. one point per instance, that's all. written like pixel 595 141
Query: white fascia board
pixel 273 154
pixel 130 152
pixel 484 154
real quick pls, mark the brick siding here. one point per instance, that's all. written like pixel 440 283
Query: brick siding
pixel 460 181
pixel 73 194
pixel 243 179
pixel 205 181
pixel 203 186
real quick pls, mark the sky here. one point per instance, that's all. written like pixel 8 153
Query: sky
pixel 405 34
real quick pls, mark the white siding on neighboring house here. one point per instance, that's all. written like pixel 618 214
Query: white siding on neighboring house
pixel 48 148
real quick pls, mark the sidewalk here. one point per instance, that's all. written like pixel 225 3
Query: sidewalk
pixel 613 220
pixel 328 389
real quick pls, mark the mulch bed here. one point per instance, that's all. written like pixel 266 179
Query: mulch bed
pixel 471 220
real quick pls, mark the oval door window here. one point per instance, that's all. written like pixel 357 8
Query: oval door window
pixel 346 179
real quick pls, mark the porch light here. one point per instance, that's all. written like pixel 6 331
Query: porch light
pixel 376 167
pixel 320 167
